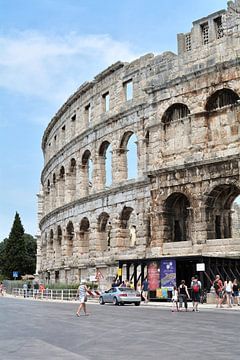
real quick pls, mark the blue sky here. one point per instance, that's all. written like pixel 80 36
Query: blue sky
pixel 48 48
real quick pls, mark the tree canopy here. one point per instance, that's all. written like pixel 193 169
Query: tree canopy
pixel 18 251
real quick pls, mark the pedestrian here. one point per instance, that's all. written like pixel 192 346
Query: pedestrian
pixel 235 292
pixel 145 290
pixel 183 295
pixel 114 283
pixel 25 287
pixel 82 293
pixel 218 287
pixel 228 288
pixel 196 288
pixel 122 285
pixel 35 289
pixel 175 299
pixel 1 289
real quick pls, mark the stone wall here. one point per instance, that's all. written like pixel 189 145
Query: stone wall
pixel 184 111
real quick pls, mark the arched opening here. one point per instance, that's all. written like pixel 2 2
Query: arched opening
pixel 70 237
pixel 72 179
pixel 84 235
pixel 128 226
pixel 129 156
pixel 221 98
pixel 105 163
pixel 175 112
pixel 61 186
pixel 235 210
pixel 219 211
pixel 59 243
pixel 176 218
pixel 87 170
pixel 104 232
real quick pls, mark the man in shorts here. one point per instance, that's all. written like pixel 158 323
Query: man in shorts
pixel 196 288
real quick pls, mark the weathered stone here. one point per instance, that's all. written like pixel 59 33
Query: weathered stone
pixel 185 114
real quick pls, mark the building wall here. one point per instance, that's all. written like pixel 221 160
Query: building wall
pixel 185 115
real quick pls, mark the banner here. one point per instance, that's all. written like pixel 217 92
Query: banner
pixel 168 273
pixel 153 276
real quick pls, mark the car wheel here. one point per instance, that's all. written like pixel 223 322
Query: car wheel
pixel 101 302
pixel 137 303
pixel 115 301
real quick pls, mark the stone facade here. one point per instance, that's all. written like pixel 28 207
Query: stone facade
pixel 184 111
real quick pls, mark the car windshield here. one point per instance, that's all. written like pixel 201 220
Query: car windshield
pixel 126 290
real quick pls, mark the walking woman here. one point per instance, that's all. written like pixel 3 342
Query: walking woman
pixel 82 292
pixel 183 295
pixel 235 292
pixel 228 287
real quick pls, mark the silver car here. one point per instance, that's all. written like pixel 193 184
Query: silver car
pixel 120 296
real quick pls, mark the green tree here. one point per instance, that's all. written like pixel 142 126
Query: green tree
pixel 15 250
pixel 31 250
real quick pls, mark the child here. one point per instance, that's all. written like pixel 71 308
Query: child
pixel 175 299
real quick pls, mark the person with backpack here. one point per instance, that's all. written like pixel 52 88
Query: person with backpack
pixel 218 287
pixel 196 288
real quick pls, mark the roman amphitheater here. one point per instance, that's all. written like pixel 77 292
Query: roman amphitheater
pixel 175 117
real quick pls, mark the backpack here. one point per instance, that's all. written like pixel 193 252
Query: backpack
pixel 195 287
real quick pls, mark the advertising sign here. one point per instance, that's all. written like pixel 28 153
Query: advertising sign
pixel 153 276
pixel 168 273
pixel 15 274
pixel 162 293
pixel 201 267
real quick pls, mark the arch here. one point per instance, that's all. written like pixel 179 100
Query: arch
pixel 62 172
pixel 71 188
pixel 59 235
pixel 72 167
pixel 219 211
pixel 69 237
pixel 102 222
pixel 235 211
pixel 48 186
pixel 59 239
pixel 105 163
pixel 128 156
pixel 176 218
pixel 104 232
pixel 54 179
pixel 126 136
pixel 87 167
pixel 175 112
pixel 84 235
pixel 221 98
pixel 84 224
pixel 125 216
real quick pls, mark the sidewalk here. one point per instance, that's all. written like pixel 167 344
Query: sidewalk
pixel 150 304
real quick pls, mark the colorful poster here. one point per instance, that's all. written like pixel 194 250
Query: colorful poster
pixel 162 293
pixel 168 273
pixel 153 276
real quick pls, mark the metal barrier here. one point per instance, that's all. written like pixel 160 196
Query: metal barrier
pixel 47 294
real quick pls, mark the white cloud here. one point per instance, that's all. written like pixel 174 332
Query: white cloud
pixel 52 67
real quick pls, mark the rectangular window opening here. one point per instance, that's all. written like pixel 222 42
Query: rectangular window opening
pixel 188 42
pixel 88 113
pixel 218 27
pixel 106 102
pixel 128 87
pixel 63 128
pixel 205 33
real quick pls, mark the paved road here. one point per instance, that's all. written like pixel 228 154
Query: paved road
pixel 46 330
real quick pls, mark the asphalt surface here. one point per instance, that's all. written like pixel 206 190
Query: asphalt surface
pixel 51 330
